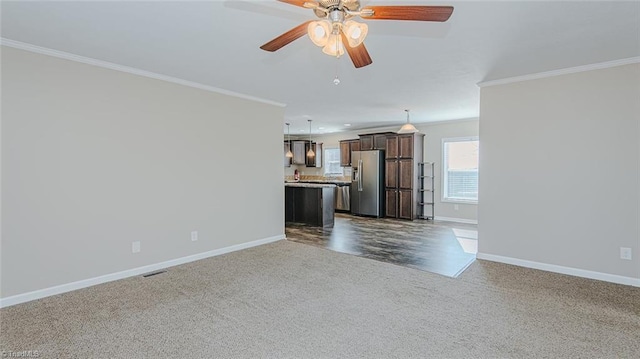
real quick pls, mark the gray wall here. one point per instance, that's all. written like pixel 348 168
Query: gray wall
pixel 559 180
pixel 93 159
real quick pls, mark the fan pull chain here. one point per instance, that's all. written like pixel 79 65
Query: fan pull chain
pixel 336 80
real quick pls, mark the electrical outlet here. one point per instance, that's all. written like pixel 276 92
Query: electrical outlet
pixel 135 247
pixel 455 207
pixel 625 253
pixel 194 236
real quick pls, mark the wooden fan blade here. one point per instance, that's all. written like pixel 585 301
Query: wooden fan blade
pixel 294 2
pixel 359 54
pixel 286 38
pixel 416 13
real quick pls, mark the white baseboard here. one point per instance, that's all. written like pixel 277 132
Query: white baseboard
pixel 613 278
pixel 68 287
pixel 459 220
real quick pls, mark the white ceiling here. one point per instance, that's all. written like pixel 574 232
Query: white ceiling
pixel 430 68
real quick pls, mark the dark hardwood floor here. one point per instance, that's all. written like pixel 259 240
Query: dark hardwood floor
pixel 445 248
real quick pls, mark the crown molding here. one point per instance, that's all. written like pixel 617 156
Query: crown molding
pixel 131 70
pixel 570 70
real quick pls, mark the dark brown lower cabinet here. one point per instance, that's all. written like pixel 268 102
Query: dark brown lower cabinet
pixel 391 198
pixel 405 204
pixel 289 204
pixel 310 205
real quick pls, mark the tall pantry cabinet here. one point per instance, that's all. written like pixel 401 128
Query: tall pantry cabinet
pixel 403 154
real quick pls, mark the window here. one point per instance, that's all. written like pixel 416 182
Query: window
pixel 332 162
pixel 460 169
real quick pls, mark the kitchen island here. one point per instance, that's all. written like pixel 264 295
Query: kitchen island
pixel 309 203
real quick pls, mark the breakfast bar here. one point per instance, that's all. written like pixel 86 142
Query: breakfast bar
pixel 309 203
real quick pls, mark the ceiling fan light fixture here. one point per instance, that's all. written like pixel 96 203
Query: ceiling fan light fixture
pixel 408 127
pixel 336 19
pixel 319 32
pixel 334 46
pixel 355 32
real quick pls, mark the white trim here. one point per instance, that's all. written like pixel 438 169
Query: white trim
pixel 459 220
pixel 459 201
pixel 68 287
pixel 130 70
pixel 570 70
pixel 613 278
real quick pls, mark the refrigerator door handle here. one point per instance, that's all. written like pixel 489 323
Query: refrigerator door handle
pixel 360 165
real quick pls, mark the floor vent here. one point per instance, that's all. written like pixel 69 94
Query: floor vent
pixel 154 273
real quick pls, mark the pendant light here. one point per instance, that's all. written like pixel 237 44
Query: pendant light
pixel 310 153
pixel 289 153
pixel 408 127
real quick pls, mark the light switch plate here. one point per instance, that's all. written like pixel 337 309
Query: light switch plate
pixel 135 247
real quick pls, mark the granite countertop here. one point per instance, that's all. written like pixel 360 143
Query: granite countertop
pixel 309 185
pixel 336 182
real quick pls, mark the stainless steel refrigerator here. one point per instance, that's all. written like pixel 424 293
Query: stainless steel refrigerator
pixel 367 183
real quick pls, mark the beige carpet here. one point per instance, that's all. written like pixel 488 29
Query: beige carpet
pixel 289 300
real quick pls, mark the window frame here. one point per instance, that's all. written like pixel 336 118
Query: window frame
pixel 326 167
pixel 443 177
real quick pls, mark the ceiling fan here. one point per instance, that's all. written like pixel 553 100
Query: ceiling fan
pixel 336 31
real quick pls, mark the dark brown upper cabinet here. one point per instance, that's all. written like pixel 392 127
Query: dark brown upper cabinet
pixel 346 147
pixel 380 141
pixel 405 146
pixel 366 142
pixel 392 147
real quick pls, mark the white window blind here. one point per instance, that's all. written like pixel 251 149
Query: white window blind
pixel 460 169
pixel 332 162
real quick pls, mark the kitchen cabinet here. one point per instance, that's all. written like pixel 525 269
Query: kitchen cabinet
pixel 380 141
pixel 366 142
pixel 345 153
pixel 391 205
pixel 299 153
pixel 392 147
pixel 355 145
pixel 391 173
pixel 405 174
pixel 405 146
pixel 289 204
pixel 310 205
pixel 405 204
pixel 346 147
pixel 404 153
pixel 316 160
pixel 375 141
